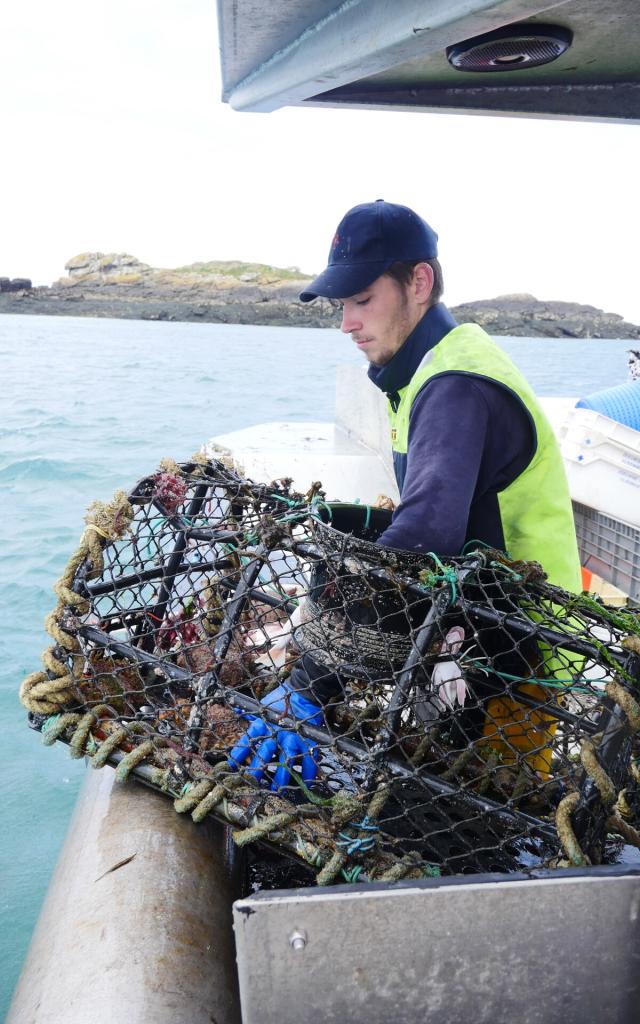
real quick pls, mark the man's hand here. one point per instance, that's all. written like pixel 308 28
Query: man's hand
pixel 264 742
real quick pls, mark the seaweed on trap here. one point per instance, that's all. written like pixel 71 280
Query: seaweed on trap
pixel 482 719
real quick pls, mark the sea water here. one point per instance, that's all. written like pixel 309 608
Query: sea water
pixel 89 406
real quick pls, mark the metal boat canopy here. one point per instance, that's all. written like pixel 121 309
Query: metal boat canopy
pixel 573 59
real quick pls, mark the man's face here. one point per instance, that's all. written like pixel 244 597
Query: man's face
pixel 380 319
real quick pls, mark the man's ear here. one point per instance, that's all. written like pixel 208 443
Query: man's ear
pixel 422 282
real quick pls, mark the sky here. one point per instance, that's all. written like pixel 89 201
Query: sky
pixel 115 139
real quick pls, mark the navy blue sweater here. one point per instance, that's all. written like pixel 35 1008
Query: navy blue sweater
pixel 469 438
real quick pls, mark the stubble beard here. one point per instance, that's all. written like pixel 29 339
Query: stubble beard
pixel 404 327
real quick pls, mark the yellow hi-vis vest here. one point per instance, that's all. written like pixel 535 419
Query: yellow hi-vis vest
pixel 536 513
pixel 537 523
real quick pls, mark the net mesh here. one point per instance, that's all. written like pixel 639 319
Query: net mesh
pixel 470 716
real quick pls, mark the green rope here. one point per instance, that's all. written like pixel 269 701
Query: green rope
pixel 558 684
pixel 358 844
pixel 292 517
pixel 316 503
pixel 352 875
pixel 162 522
pixel 48 725
pixel 290 502
pixel 153 521
pixel 430 579
pixel 313 798
pixel 506 568
pixel 477 544
pixel 431 871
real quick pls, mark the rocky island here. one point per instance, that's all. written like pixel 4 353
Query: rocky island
pixel 119 285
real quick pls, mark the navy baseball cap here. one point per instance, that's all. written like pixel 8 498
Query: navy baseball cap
pixel 368 240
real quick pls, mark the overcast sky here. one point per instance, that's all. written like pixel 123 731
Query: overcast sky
pixel 115 139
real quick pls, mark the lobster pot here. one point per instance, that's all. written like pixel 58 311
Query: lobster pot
pixel 478 718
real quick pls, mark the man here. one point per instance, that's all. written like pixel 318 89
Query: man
pixel 474 455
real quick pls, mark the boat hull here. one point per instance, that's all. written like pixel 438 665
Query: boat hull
pixel 136 924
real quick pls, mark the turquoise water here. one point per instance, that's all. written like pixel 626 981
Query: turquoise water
pixel 91 405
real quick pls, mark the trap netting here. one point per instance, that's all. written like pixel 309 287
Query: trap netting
pixel 432 716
